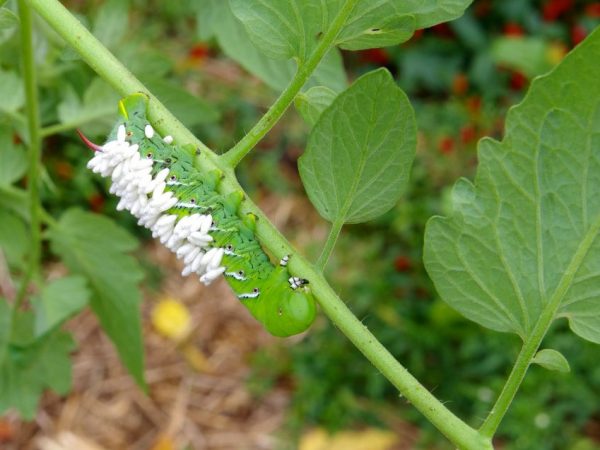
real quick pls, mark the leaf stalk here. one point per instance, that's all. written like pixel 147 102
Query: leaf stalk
pixel 305 69
pixel 334 233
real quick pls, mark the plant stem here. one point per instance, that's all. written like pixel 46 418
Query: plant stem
pixel 33 124
pixel 334 233
pixel 305 69
pixel 111 70
pixel 108 66
pixel 533 341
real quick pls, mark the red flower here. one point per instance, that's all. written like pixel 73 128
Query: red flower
pixel 518 81
pixel 64 170
pixel 578 34
pixel 377 56
pixel 446 145
pixel 198 52
pixel 460 84
pixel 593 10
pixel 468 134
pixel 474 104
pixel 443 30
pixel 402 263
pixel 553 9
pixel 417 34
pixel 96 202
pixel 513 29
pixel 483 8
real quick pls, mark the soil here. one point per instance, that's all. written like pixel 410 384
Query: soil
pixel 197 395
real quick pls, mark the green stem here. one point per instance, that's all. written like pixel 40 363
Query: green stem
pixel 334 233
pixel 305 69
pixel 111 70
pixel 534 340
pixel 33 124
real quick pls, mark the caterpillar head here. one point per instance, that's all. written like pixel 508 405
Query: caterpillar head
pixel 293 312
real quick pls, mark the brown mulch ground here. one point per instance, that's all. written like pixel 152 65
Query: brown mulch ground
pixel 197 394
pixel 208 408
pixel 197 399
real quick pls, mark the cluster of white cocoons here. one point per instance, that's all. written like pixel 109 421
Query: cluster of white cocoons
pixel 145 197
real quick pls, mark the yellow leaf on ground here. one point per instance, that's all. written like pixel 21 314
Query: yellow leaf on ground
pixel 171 318
pixel 368 439
pixel 164 442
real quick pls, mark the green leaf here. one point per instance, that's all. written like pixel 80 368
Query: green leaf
pixel 521 245
pixel 13 159
pixel 525 54
pixel 376 24
pixel 552 360
pixel 431 12
pixel 28 366
pixel 236 44
pixel 111 23
pixel 95 247
pixel 291 29
pixel 11 92
pixel 15 200
pixel 60 300
pixel 311 103
pixel 191 110
pixel 9 22
pixel 360 151
pixel 14 238
pixel 208 17
pixel 142 61
pixel 329 73
pixel 283 30
pixel 94 113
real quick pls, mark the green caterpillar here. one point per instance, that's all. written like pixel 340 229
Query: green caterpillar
pixel 157 182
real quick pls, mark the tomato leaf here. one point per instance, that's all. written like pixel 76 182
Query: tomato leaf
pixel 522 242
pixel 95 247
pixel 311 103
pixel 29 365
pixel 360 151
pixel 552 360
pixel 58 301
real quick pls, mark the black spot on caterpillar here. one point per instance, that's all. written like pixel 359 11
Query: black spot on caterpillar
pixel 157 182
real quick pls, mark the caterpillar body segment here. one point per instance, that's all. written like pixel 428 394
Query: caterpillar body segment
pixel 157 182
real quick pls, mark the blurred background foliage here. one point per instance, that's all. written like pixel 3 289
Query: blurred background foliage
pixel 461 77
